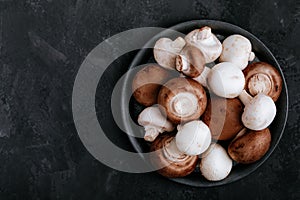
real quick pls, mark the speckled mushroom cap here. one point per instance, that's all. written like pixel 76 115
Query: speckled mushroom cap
pixel 223 117
pixel 147 83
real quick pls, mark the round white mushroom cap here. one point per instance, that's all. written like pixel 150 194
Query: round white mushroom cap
pixel 154 123
pixel 206 41
pixel 193 138
pixel 226 80
pixel 259 112
pixel 238 50
pixel 215 164
pixel 165 51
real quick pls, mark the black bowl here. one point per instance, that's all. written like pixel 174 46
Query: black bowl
pixel 222 29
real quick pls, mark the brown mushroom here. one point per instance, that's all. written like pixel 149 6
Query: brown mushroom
pixel 147 83
pixel 262 77
pixel 182 99
pixel 223 117
pixel 249 146
pixel 190 61
pixel 169 159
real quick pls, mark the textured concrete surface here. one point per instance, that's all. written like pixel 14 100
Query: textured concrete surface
pixel 42 44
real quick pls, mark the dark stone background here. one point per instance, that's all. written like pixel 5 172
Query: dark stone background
pixel 40 152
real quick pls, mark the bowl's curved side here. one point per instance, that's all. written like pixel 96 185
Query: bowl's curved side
pixel 261 51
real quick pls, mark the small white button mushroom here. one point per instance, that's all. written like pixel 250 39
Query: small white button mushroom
pixel 215 164
pixel 154 123
pixel 259 111
pixel 193 138
pixel 226 80
pixel 206 41
pixel 165 51
pixel 238 50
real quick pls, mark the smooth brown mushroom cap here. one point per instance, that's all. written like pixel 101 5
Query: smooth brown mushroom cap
pixel 250 146
pixel 147 83
pixel 176 86
pixel 223 117
pixel 172 169
pixel 263 77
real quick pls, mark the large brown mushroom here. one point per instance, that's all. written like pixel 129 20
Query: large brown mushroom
pixel 223 117
pixel 262 77
pixel 182 99
pixel 172 162
pixel 249 146
pixel 147 83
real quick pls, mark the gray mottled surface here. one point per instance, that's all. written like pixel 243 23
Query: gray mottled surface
pixel 42 44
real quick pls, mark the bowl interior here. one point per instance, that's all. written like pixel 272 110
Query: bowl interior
pixel 222 29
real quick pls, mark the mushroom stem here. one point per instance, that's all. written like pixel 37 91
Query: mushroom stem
pixel 245 97
pixel 202 77
pixel 172 153
pixel 151 133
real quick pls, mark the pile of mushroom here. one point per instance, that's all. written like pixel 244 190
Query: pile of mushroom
pixel 216 96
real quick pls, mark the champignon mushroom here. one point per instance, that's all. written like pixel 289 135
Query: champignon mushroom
pixel 206 41
pixel 249 146
pixel 154 123
pixel 193 138
pixel 147 82
pixel 183 99
pixel 165 51
pixel 190 61
pixel 263 77
pixel 226 80
pixel 223 117
pixel 172 162
pixel 238 50
pixel 215 164
pixel 259 111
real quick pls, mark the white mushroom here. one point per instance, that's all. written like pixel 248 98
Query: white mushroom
pixel 238 50
pixel 215 164
pixel 165 51
pixel 193 138
pixel 226 80
pixel 154 123
pixel 206 41
pixel 259 111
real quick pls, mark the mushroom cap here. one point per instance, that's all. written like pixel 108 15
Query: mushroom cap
pixel 226 80
pixel 250 146
pixel 206 41
pixel 215 164
pixel 263 77
pixel 190 61
pixel 147 83
pixel 165 51
pixel 182 99
pixel 193 138
pixel 167 167
pixel 237 49
pixel 223 117
pixel 259 112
